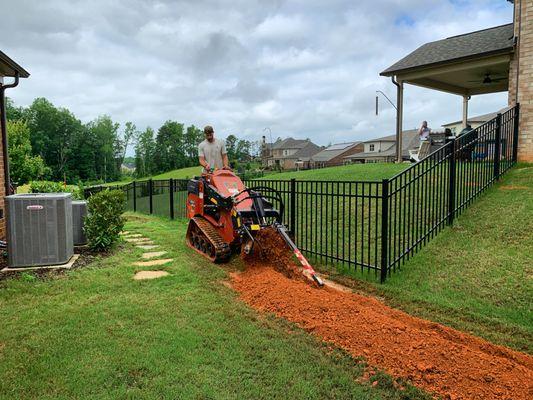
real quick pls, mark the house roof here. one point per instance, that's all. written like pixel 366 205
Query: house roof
pixel 8 67
pixel 333 151
pixel 479 118
pixel 496 40
pixel 410 140
pixel 304 154
pixel 290 143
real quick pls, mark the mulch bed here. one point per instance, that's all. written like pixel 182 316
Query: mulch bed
pixel 436 358
pixel 87 256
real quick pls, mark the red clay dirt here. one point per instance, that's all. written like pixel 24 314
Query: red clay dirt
pixel 436 358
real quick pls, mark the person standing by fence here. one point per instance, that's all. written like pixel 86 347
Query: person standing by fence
pixel 212 152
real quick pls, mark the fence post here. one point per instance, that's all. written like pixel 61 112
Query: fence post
pixel 516 125
pixel 384 229
pixel 292 217
pixel 150 193
pixel 171 197
pixel 134 196
pixel 497 146
pixel 451 184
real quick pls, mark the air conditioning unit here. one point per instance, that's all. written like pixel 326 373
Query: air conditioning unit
pixel 39 229
pixel 79 212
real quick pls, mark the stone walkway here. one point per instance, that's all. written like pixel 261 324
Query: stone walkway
pixel 149 258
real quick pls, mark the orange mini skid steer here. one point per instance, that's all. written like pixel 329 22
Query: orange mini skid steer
pixel 225 215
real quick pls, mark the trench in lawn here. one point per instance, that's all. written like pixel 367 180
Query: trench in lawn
pixel 431 356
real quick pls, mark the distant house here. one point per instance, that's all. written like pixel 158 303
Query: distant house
pixel 457 126
pixel 384 149
pixel 335 154
pixel 291 153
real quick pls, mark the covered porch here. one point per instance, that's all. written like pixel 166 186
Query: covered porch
pixel 465 65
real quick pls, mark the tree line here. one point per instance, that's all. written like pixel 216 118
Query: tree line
pixel 49 142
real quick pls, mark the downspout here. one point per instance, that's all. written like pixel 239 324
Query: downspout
pixel 399 116
pixel 3 125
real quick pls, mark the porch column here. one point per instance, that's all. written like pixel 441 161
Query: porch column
pixel 399 121
pixel 465 110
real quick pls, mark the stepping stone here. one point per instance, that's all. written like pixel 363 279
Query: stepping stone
pixel 125 233
pixel 153 262
pixel 141 275
pixel 135 240
pixel 132 235
pixel 153 254
pixel 147 246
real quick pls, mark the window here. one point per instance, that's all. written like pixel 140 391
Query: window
pixel 371 147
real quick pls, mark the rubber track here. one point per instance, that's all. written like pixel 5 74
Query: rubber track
pixel 222 249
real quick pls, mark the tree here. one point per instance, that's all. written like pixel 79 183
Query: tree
pixel 23 166
pixel 144 153
pixel 104 133
pixel 14 113
pixel 121 145
pixel 193 137
pixel 169 147
pixel 51 132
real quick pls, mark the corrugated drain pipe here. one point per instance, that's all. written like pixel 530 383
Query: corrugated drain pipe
pixel 3 124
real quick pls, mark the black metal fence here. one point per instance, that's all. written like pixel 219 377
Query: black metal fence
pixel 369 225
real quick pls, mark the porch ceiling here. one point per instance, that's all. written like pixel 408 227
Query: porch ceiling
pixel 465 78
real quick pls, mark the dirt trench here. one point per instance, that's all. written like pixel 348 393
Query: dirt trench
pixel 436 358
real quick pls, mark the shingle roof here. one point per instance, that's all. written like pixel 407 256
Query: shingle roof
pixel 333 151
pixel 499 39
pixel 410 140
pixel 306 152
pixel 290 143
pixel 479 118
pixel 8 67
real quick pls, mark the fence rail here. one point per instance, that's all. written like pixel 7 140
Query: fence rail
pixel 374 226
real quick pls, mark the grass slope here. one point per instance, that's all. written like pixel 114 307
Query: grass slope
pixel 354 172
pixel 477 275
pixel 95 333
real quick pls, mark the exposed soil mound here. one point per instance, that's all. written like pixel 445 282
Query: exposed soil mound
pixel 434 357
pixel 270 250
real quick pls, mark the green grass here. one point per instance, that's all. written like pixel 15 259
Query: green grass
pixel 94 333
pixel 478 275
pixel 354 172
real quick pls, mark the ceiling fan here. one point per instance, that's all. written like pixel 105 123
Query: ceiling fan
pixel 488 79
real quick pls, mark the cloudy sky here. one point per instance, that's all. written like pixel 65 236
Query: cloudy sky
pixel 303 68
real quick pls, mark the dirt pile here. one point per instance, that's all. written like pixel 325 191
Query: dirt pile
pixel 431 356
pixel 270 250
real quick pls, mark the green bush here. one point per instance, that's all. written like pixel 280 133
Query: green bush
pixel 46 187
pixel 56 187
pixel 104 219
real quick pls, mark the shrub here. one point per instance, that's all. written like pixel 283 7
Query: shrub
pixel 56 187
pixel 104 219
pixel 46 187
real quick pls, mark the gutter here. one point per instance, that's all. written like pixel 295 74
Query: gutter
pixel 3 126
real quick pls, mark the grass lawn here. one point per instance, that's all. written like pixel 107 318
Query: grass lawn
pixel 477 275
pixel 354 172
pixel 96 333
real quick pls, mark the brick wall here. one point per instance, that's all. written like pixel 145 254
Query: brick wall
pixel 523 58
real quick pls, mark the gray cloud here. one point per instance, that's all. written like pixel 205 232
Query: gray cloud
pixel 306 68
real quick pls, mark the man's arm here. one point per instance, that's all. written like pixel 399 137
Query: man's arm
pixel 204 163
pixel 201 158
pixel 225 161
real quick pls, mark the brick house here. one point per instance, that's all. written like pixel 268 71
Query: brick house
pixel 291 153
pixel 491 60
pixel 8 69
pixel 334 155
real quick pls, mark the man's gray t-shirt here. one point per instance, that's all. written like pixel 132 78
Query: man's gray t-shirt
pixel 213 151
